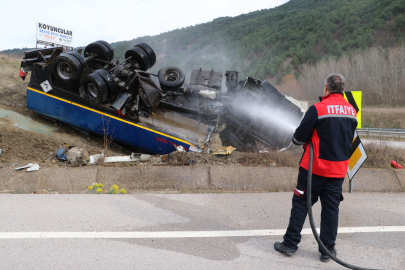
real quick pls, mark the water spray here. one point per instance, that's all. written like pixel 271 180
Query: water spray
pixel 285 148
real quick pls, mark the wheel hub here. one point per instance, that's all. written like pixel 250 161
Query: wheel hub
pixel 92 90
pixel 64 70
pixel 171 75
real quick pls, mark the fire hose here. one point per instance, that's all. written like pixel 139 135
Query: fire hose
pixel 311 218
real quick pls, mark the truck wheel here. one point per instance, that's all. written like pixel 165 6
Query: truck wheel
pixel 80 58
pixel 98 49
pixel 95 88
pixel 66 69
pixel 110 49
pixel 139 56
pixel 149 51
pixel 109 80
pixel 171 78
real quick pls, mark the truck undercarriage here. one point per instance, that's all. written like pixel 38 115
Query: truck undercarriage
pixel 249 114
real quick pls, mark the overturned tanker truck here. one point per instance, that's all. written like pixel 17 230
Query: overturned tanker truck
pixel 155 113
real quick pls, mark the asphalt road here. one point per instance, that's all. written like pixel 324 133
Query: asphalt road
pixel 189 231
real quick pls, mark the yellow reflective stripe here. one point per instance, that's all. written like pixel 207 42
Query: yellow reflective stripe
pixel 108 115
pixel 357 96
pixel 354 158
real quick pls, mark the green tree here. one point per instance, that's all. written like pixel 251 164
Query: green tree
pixel 336 49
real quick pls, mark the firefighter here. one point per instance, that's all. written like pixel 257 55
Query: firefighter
pixel 330 125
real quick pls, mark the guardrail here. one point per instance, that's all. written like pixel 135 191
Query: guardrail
pixel 382 132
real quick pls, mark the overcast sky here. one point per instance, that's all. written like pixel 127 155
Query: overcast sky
pixel 112 21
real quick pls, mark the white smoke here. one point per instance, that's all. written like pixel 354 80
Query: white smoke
pixel 279 118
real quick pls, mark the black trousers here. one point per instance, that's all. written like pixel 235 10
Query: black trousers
pixel 329 190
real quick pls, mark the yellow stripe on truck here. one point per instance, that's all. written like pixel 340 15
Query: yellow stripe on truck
pixel 108 115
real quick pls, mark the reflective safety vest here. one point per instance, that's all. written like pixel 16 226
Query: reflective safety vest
pixel 330 124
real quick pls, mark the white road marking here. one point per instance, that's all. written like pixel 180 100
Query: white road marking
pixel 183 234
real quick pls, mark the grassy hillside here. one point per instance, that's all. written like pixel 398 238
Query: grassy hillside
pixel 12 87
pixel 273 42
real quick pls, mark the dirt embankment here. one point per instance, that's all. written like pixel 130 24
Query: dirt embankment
pixel 22 146
pixel 12 87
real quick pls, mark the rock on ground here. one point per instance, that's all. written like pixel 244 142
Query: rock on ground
pixel 78 156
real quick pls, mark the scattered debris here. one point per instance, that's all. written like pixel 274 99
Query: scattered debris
pixel 130 158
pixel 61 153
pixel 225 150
pixel 180 149
pixel 96 158
pixel 30 167
pixel 78 156
pixel 144 157
pixel 24 167
pixel 195 149
pixel 34 167
pixel 210 130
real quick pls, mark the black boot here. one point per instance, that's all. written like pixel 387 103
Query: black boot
pixel 326 258
pixel 283 249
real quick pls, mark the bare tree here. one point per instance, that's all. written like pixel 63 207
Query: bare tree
pixel 378 72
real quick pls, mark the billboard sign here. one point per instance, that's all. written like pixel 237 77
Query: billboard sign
pixel 54 36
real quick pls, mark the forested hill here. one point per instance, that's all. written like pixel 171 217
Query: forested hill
pixel 272 42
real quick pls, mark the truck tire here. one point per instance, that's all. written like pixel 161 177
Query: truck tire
pixel 171 78
pixel 109 80
pixel 95 88
pixel 99 49
pixel 110 49
pixel 80 58
pixel 139 56
pixel 149 51
pixel 66 69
